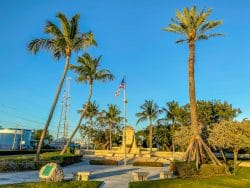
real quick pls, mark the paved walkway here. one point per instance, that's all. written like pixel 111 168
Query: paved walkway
pixel 113 176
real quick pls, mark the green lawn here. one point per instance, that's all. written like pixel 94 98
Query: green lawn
pixel 240 180
pixel 71 184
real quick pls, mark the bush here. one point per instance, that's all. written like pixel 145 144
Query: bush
pixel 151 164
pixel 183 169
pixel 65 160
pixel 14 163
pixel 211 170
pixel 19 152
pixel 64 184
pixel 103 162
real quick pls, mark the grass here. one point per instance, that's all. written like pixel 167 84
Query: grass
pixel 66 184
pixel 240 180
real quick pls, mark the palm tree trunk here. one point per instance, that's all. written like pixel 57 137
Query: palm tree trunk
pixel 90 130
pixel 52 109
pixel 150 137
pixel 192 97
pixel 173 149
pixel 80 120
pixel 196 144
pixel 110 136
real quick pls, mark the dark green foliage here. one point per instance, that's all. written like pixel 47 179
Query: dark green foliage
pixel 162 137
pixel 38 133
pixel 212 170
pixel 65 160
pixel 20 152
pixel 151 164
pixel 22 163
pixel 103 162
pixel 209 112
pixel 65 184
pixel 184 169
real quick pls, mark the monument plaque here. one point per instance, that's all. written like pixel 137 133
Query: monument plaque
pixel 51 172
pixel 130 141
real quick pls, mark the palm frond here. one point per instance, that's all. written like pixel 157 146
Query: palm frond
pixel 88 39
pixel 64 23
pixel 192 24
pixel 74 26
pixel 104 75
pixel 205 37
pixel 209 25
pixel 181 40
pixel 51 28
pixel 35 45
pixel 141 119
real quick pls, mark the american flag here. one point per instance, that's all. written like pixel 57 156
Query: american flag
pixel 121 86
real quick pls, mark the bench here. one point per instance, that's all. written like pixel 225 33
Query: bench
pixel 81 176
pixel 166 174
pixel 139 176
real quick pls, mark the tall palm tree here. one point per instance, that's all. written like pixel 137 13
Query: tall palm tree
pixel 62 41
pixel 194 26
pixel 91 112
pixel 88 72
pixel 111 117
pixel 150 112
pixel 172 114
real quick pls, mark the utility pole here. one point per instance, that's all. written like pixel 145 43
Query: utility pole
pixel 64 115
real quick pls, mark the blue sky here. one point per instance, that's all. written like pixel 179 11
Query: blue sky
pixel 131 40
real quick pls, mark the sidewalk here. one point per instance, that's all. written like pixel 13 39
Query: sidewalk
pixel 113 176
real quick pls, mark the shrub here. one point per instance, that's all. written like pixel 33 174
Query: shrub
pixel 19 152
pixel 211 170
pixel 183 169
pixel 151 164
pixel 27 163
pixel 103 162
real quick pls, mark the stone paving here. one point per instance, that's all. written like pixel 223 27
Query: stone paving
pixel 113 176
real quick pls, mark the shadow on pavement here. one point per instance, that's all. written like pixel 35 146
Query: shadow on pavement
pixel 112 173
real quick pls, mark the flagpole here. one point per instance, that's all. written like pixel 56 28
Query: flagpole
pixel 124 134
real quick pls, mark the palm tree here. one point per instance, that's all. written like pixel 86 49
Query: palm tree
pixel 150 112
pixel 111 117
pixel 88 72
pixel 62 42
pixel 193 26
pixel 91 112
pixel 172 114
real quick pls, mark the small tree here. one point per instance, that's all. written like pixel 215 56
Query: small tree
pixel 230 135
pixel 149 112
pixel 182 137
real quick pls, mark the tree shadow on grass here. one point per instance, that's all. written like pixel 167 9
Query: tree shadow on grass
pixel 112 173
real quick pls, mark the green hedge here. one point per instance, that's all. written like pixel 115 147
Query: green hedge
pixel 211 170
pixel 183 169
pixel 65 160
pixel 151 164
pixel 64 184
pixel 22 152
pixel 103 162
pixel 10 165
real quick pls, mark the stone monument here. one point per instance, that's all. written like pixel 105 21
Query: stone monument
pixel 131 146
pixel 51 172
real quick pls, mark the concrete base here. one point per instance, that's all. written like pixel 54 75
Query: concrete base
pixel 139 176
pixel 82 176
